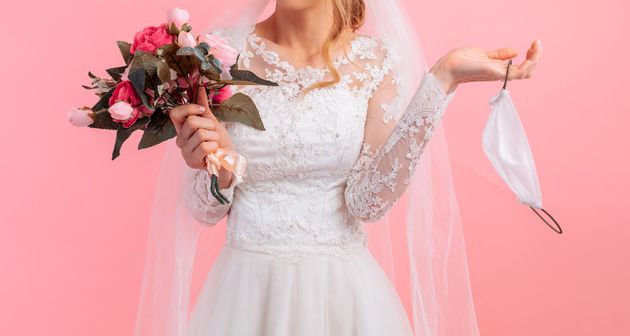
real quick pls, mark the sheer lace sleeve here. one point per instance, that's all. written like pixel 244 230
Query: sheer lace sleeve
pixel 202 205
pixel 393 143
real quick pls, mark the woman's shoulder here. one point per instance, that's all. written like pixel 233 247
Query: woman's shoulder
pixel 372 47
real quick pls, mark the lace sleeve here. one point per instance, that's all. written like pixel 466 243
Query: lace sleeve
pixel 202 205
pixel 392 145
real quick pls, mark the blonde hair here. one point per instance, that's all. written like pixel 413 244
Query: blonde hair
pixel 347 14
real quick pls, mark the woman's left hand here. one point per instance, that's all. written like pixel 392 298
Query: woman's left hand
pixel 474 64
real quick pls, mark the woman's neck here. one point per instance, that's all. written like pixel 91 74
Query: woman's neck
pixel 303 31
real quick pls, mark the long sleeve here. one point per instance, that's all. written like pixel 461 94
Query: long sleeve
pixel 202 205
pixel 393 143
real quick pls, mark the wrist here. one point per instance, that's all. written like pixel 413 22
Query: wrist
pixel 225 178
pixel 442 71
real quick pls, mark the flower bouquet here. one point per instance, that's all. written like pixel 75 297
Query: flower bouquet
pixel 164 67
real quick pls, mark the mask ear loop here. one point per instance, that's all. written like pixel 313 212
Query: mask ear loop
pixel 557 228
pixel 506 74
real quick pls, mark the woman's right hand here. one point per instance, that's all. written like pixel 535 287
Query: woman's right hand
pixel 199 132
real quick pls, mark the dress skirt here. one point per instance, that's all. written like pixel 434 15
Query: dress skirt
pixel 249 293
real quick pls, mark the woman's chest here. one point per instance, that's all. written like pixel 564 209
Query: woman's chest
pixel 317 135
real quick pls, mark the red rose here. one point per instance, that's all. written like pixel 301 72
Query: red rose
pixel 151 38
pixel 124 91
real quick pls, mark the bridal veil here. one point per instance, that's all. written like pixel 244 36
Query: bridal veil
pixel 434 254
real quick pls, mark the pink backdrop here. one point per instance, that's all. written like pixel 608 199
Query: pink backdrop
pixel 72 242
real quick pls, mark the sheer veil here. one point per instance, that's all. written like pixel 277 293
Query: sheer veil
pixel 428 214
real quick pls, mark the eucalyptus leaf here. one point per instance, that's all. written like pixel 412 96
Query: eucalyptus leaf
pixel 160 129
pixel 204 45
pixel 185 51
pixel 124 133
pixel 239 108
pixel 201 53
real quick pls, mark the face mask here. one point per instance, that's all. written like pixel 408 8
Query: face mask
pixel 506 146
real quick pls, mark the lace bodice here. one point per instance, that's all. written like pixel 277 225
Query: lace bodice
pixel 328 161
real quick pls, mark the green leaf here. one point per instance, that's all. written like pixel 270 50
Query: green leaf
pixel 160 129
pixel 154 67
pixel 172 29
pixel 248 76
pixel 201 53
pixel 124 133
pixel 181 64
pixel 240 108
pixel 125 48
pixel 205 46
pixel 137 78
pixel 116 73
pixel 103 102
pixel 103 120
pixel 185 51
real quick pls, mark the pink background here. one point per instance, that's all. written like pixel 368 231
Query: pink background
pixel 73 223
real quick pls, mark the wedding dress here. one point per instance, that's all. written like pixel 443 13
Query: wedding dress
pixel 330 162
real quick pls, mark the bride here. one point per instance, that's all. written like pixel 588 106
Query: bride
pixel 345 130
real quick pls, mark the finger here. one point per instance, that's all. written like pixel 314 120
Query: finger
pixel 191 125
pixel 199 137
pixel 179 113
pixel 202 99
pixel 534 53
pixel 203 149
pixel 525 69
pixel 502 53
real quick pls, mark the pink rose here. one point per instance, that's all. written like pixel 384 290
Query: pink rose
pixel 121 111
pixel 186 39
pixel 221 49
pixel 221 95
pixel 177 16
pixel 151 38
pixel 80 117
pixel 124 92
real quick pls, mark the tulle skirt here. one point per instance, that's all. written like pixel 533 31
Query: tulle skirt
pixel 249 293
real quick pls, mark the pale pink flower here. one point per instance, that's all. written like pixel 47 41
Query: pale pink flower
pixel 221 49
pixel 80 117
pixel 121 110
pixel 177 16
pixel 186 39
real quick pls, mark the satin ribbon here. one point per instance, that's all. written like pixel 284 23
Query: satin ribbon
pixel 228 159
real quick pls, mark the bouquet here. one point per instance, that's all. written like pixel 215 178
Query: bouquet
pixel 164 67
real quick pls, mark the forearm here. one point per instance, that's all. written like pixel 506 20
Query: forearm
pixel 204 207
pixel 381 177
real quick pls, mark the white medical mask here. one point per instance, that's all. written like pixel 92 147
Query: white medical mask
pixel 506 146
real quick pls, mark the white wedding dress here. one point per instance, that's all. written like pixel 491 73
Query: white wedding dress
pixel 296 260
